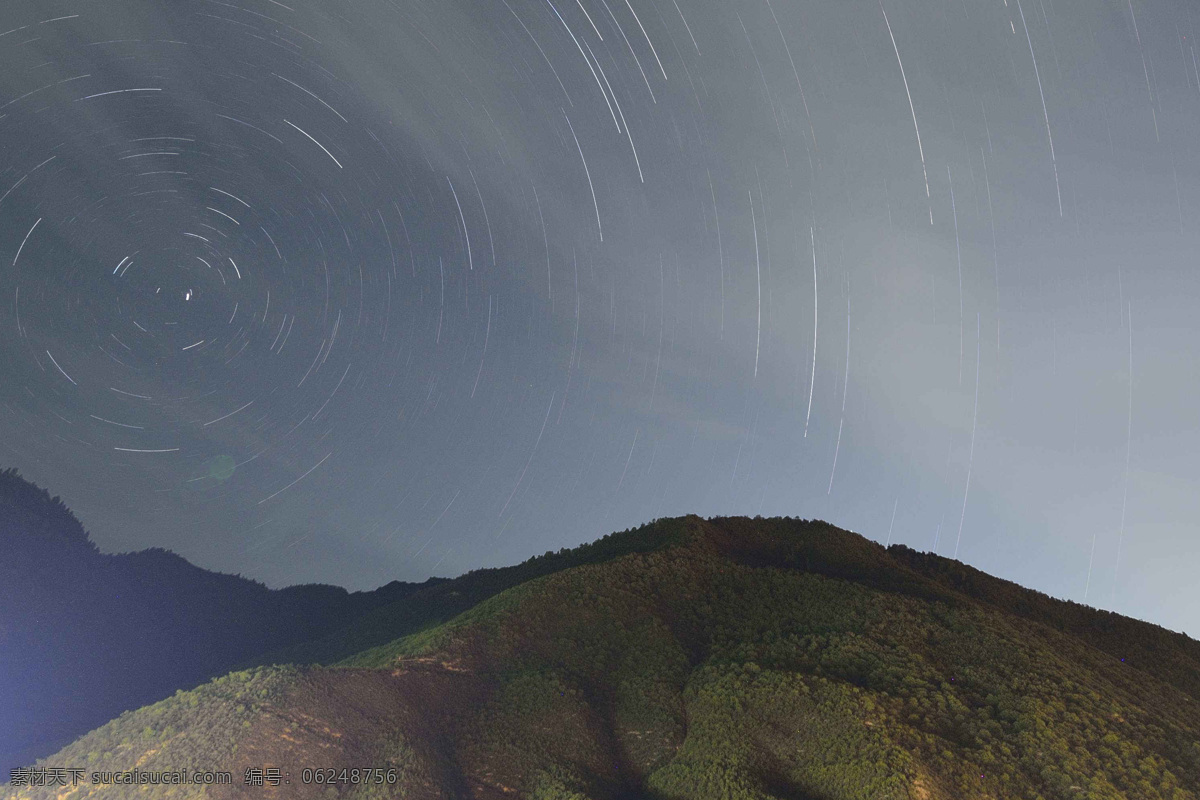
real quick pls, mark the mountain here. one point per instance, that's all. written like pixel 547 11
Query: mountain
pixel 85 635
pixel 722 658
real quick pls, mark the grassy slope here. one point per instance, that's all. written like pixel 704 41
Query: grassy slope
pixel 733 659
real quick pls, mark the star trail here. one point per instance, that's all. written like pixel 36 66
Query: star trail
pixel 359 292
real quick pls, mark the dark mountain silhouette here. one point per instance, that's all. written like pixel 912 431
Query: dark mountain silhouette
pixel 85 635
pixel 725 658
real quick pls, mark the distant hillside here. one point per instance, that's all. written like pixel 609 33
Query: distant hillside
pixel 728 658
pixel 85 636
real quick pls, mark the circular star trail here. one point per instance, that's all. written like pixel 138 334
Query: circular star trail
pixel 357 292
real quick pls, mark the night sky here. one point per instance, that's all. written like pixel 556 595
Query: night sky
pixel 356 292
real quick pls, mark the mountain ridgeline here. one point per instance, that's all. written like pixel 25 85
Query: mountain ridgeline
pixel 690 658
pixel 85 636
pixel 730 657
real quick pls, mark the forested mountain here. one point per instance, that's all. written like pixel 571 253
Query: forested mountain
pixel 690 658
pixel 85 635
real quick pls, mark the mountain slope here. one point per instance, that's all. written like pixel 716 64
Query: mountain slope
pixel 442 600
pixel 85 635
pixel 736 659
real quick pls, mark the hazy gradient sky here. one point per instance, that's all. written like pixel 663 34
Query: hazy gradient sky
pixel 354 292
